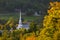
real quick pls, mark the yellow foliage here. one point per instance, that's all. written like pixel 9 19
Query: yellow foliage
pixel 56 35
pixel 51 23
pixel 10 21
pixel 4 35
pixel 1 26
pixel 50 30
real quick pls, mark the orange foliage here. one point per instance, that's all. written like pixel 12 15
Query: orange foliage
pixel 31 38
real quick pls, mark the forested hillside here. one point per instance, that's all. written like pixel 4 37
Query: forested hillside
pixel 27 6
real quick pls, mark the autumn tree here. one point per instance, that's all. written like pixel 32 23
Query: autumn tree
pixel 51 23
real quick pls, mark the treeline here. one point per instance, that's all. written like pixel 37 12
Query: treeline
pixel 25 5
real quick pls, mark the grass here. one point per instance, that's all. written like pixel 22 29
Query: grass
pixel 16 16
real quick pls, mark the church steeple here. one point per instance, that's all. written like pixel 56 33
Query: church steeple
pixel 20 22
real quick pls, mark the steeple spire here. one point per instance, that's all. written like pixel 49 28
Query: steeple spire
pixel 20 22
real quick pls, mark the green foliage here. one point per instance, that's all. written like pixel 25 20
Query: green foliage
pixel 27 6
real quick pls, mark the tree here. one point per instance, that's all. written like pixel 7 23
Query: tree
pixel 51 23
pixel 24 5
